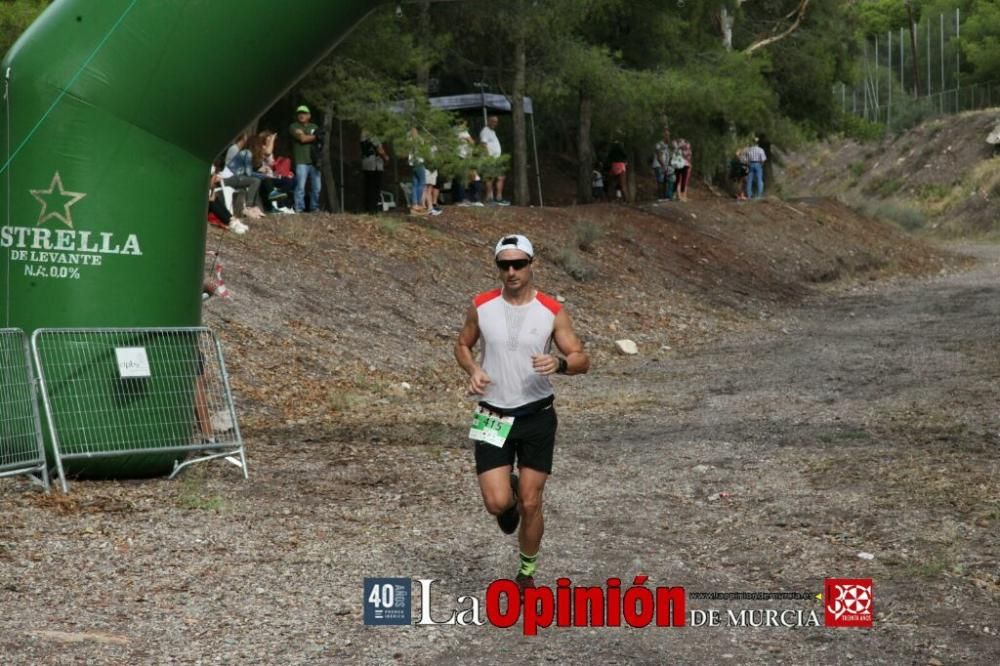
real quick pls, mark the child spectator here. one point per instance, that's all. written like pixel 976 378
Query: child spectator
pixel 597 183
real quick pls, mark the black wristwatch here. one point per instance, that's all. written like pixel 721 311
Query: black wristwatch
pixel 561 370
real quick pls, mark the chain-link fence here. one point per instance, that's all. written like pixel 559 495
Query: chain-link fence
pixel 21 446
pixel 133 402
pixel 914 73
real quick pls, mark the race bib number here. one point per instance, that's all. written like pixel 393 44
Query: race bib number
pixel 489 427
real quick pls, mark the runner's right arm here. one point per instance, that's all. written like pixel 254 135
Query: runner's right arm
pixel 467 338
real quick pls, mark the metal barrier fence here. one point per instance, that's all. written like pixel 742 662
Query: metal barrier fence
pixel 136 400
pixel 22 450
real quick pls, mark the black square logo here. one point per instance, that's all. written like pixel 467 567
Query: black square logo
pixel 387 601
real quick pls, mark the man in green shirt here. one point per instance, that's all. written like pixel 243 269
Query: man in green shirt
pixel 304 135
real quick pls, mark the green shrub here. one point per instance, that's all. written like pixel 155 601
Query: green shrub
pixel 933 191
pixel 570 261
pixel 895 211
pixel 911 112
pixel 858 128
pixel 587 233
pixel 884 187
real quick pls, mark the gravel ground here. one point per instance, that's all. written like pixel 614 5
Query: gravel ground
pixel 864 420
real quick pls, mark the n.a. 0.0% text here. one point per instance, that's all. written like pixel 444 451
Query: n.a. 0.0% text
pixel 58 272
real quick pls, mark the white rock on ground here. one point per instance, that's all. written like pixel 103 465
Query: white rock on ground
pixel 626 347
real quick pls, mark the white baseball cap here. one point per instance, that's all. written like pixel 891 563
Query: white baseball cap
pixel 515 242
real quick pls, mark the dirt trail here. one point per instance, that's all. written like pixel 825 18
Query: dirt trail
pixel 863 421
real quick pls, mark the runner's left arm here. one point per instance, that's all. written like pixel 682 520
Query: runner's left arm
pixel 577 361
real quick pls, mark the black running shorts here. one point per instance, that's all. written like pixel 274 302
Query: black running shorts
pixel 531 441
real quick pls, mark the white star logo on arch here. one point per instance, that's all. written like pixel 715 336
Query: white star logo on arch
pixel 56 202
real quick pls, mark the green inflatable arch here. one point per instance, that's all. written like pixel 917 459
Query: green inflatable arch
pixel 111 114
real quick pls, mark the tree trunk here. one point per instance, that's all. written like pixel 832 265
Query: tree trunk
pixel 327 164
pixel 584 150
pixel 726 21
pixel 522 191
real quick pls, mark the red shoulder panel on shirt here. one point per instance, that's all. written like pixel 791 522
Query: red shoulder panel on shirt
pixel 550 303
pixel 486 297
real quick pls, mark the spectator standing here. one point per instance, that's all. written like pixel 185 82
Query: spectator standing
pixel 755 157
pixel 373 161
pixel 618 159
pixel 465 146
pixel 304 135
pixel 681 159
pixel 661 167
pixel 765 145
pixel 419 173
pixel 488 138
pixel 431 189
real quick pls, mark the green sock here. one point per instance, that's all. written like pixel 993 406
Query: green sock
pixel 528 564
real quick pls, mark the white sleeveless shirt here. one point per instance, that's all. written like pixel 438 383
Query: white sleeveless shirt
pixel 511 334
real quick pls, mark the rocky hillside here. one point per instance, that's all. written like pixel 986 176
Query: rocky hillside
pixel 340 318
pixel 941 176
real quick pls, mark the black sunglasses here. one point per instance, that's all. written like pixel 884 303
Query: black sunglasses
pixel 516 264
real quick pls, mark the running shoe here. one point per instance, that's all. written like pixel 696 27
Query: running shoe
pixel 524 582
pixel 503 202
pixel 509 519
pixel 435 211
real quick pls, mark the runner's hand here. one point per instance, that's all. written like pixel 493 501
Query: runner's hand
pixel 478 381
pixel 545 364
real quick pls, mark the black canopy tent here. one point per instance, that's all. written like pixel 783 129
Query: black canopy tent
pixel 482 100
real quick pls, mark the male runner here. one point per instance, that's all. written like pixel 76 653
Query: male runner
pixel 515 418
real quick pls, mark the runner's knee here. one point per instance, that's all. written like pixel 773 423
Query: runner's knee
pixel 530 504
pixel 496 505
